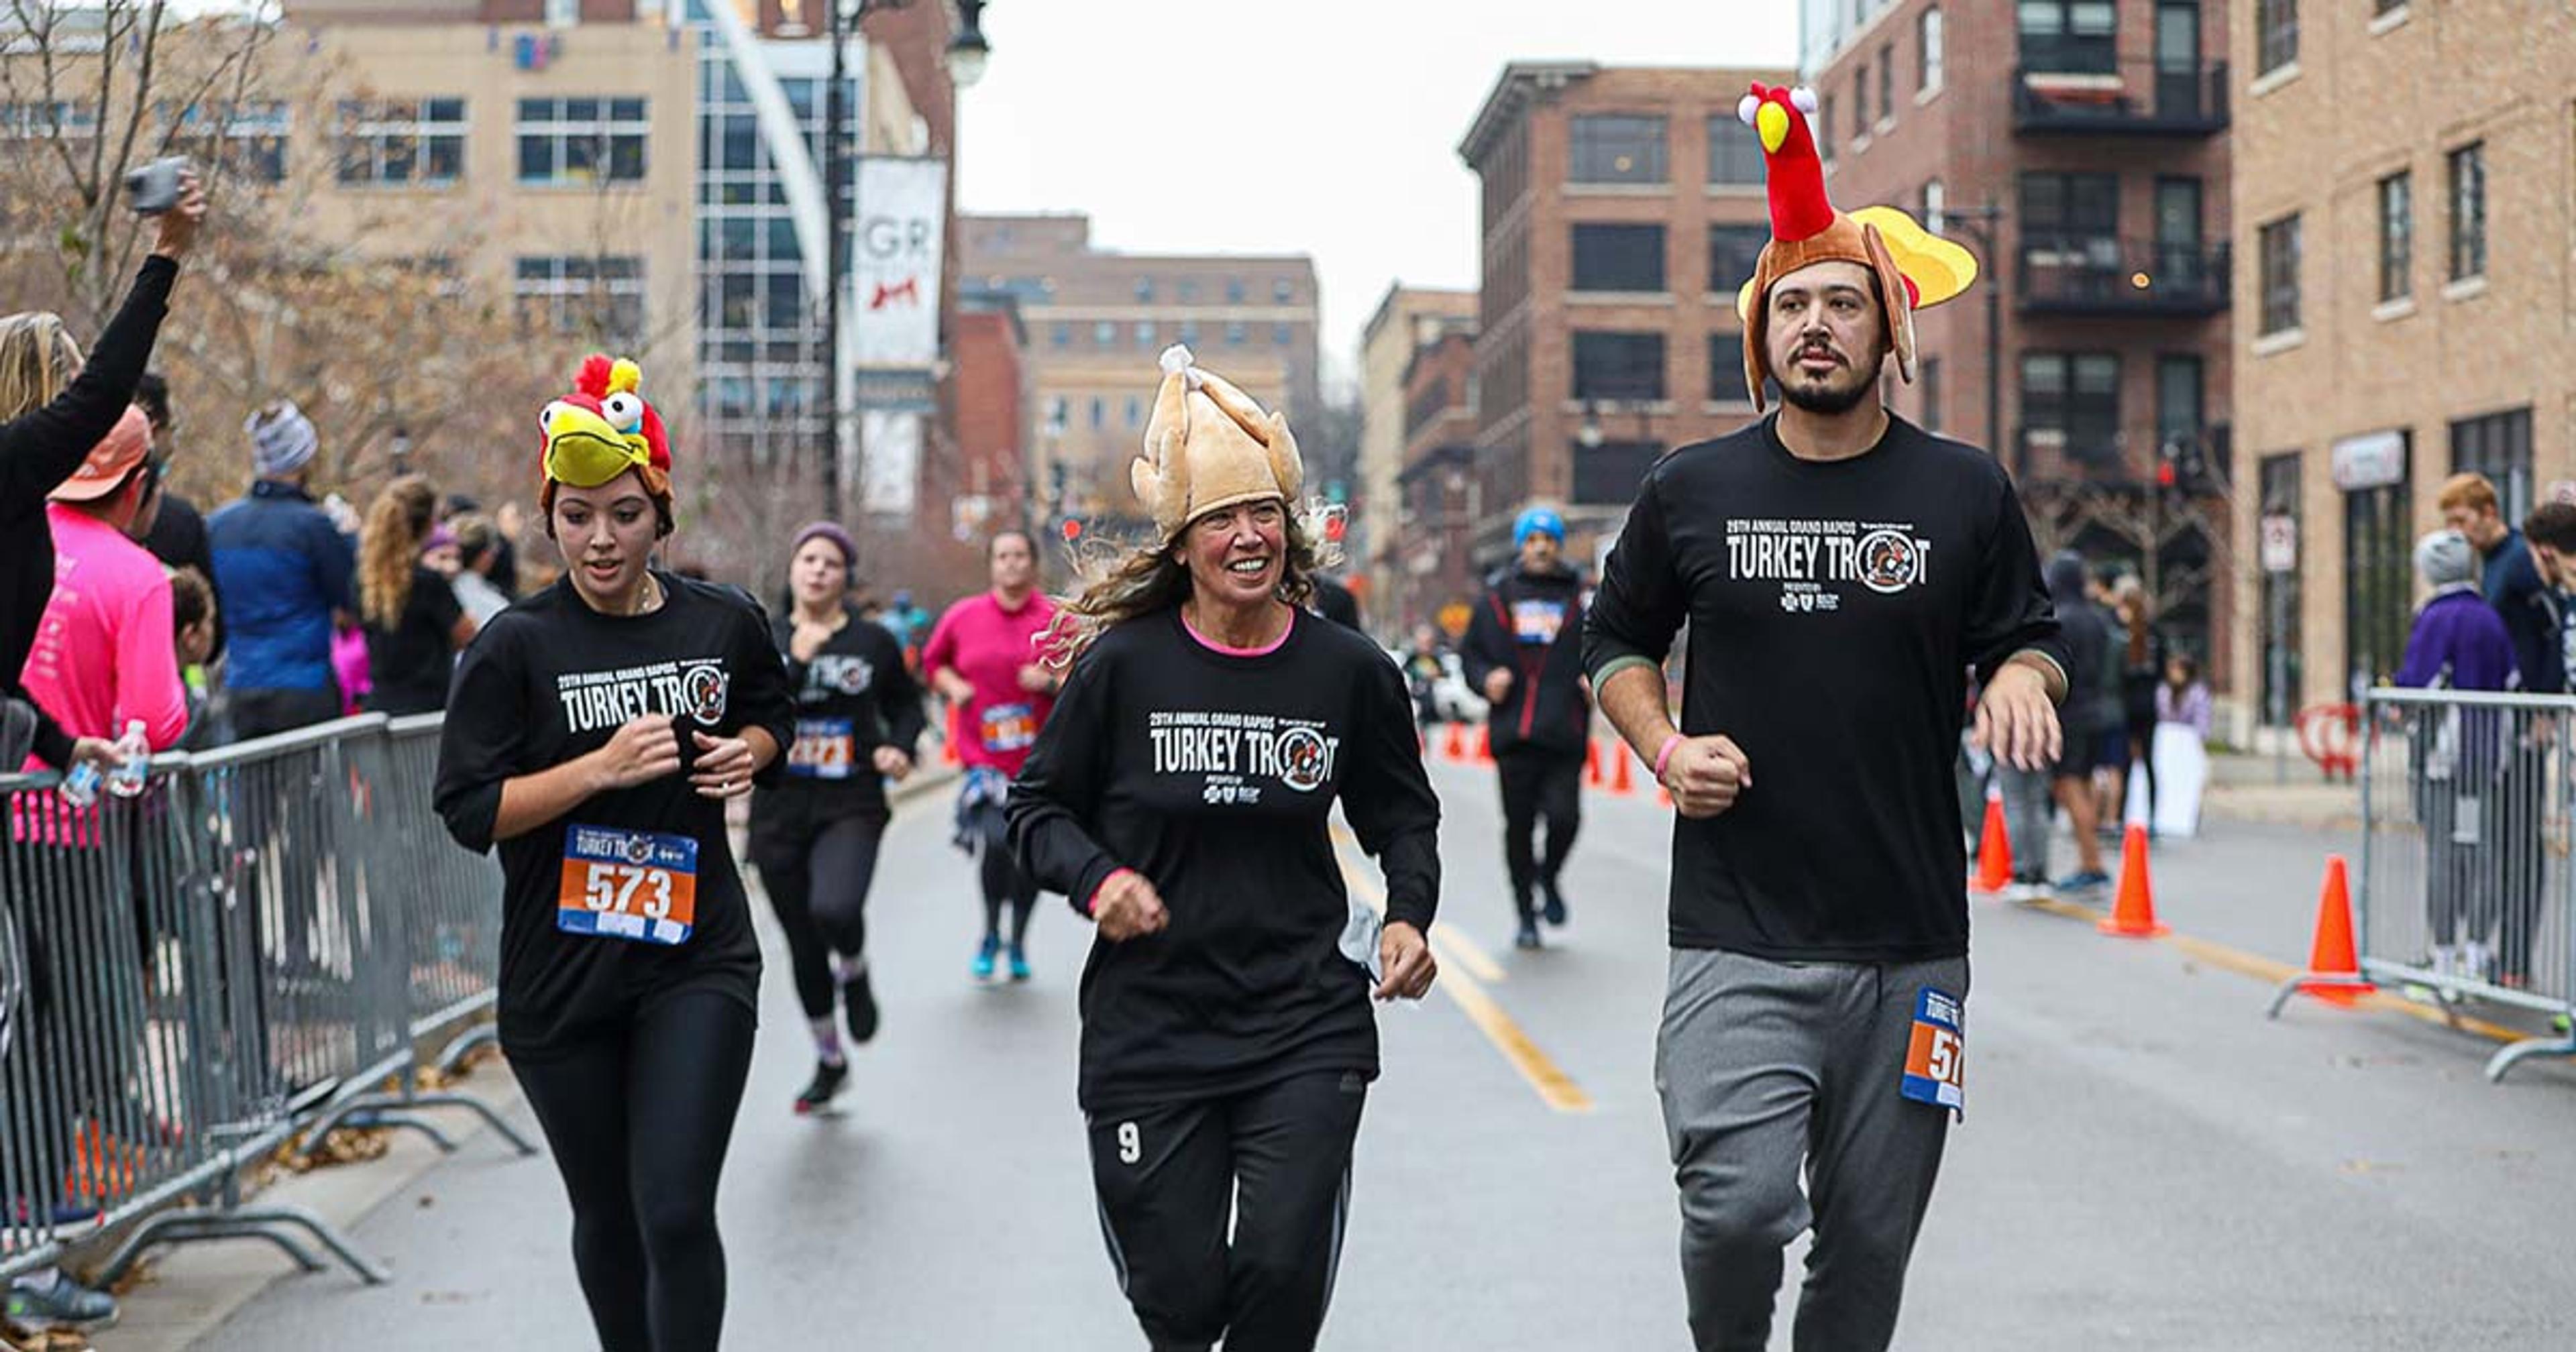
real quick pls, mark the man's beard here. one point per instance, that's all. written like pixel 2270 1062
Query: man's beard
pixel 1827 400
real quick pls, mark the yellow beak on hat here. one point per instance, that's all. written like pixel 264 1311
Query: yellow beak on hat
pixel 583 450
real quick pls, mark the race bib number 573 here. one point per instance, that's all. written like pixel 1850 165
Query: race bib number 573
pixel 638 885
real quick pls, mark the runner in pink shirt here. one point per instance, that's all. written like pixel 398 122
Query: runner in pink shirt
pixel 105 651
pixel 982 657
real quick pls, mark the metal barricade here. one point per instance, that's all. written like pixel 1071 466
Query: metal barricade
pixel 2467 890
pixel 192 977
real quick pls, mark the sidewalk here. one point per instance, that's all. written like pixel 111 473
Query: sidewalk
pixel 2258 788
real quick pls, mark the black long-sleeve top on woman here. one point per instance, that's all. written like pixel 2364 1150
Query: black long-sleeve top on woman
pixel 39 450
pixel 852 698
pixel 1214 775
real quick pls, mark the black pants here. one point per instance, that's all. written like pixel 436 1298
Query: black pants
pixel 260 713
pixel 1276 1161
pixel 817 878
pixel 1538 784
pixel 2520 857
pixel 639 1122
pixel 1004 882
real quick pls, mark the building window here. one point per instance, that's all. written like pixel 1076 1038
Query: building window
pixel 1059 409
pixel 1144 290
pixel 2469 211
pixel 1281 335
pixel 1734 154
pixel 2278 244
pixel 1887 83
pixel 2396 236
pixel 247 138
pixel 1733 250
pixel 1618 366
pixel 402 141
pixel 1104 333
pixel 2070 402
pixel 2276 34
pixel 1931 385
pixel 1135 412
pixel 599 300
pixel 1618 258
pixel 2182 412
pixel 1860 100
pixel 1616 148
pixel 1099 413
pixel 1823 126
pixel 1927 40
pixel 1608 475
pixel 2279 481
pixel 1726 369
pixel 1235 333
pixel 2069 36
pixel 1189 293
pixel 1145 334
pixel 1936 201
pixel 1234 291
pixel 573 141
pixel 1189 333
pixel 1060 334
pixel 1283 291
pixel 2498 446
pixel 563 13
pixel 2379 581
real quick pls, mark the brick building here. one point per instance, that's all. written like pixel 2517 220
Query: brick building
pixel 1406 319
pixel 990 381
pixel 1096 321
pixel 1621 210
pixel 2080 148
pixel 2403 186
pixel 1441 497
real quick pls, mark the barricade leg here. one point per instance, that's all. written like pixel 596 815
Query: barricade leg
pixel 243 1222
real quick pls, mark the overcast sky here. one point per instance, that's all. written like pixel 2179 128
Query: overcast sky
pixel 1328 127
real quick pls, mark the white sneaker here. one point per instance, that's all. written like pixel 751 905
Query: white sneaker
pixel 2446 960
pixel 2476 963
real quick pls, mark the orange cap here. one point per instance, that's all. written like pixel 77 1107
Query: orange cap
pixel 125 446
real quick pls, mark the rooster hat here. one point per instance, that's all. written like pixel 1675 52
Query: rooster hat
pixel 1208 447
pixel 1914 268
pixel 603 429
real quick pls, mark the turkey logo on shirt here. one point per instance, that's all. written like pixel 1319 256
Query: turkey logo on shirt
pixel 1890 561
pixel 702 692
pixel 1302 760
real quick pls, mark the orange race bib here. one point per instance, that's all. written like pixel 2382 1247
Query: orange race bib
pixel 825 748
pixel 1009 727
pixel 628 885
pixel 1936 1056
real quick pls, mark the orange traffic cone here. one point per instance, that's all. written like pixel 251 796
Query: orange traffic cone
pixel 1623 780
pixel 1592 762
pixel 956 720
pixel 1453 748
pixel 2332 955
pixel 1994 849
pixel 1485 745
pixel 2133 914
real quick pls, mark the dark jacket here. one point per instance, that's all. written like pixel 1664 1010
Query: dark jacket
pixel 2092 662
pixel 2512 585
pixel 178 540
pixel 281 568
pixel 41 449
pixel 1532 625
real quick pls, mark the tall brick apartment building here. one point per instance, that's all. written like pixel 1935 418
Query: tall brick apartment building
pixel 2403 186
pixel 1622 208
pixel 1441 499
pixel 2080 148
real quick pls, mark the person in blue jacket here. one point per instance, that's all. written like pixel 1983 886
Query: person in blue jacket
pixel 287 578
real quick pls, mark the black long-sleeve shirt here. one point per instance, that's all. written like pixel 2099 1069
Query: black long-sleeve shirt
pixel 1531 624
pixel 1834 608
pixel 854 697
pixel 1214 775
pixel 40 449
pixel 593 903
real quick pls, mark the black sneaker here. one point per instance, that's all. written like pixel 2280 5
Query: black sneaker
pixel 859 1006
pixel 1554 911
pixel 826 1085
pixel 1528 935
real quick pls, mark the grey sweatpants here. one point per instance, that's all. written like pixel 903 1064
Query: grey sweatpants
pixel 1763 1066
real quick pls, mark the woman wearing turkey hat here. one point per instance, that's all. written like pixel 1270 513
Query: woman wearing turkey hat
pixel 1180 796
pixel 596 730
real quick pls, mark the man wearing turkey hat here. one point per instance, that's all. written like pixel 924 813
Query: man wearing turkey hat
pixel 1181 795
pixel 1842 571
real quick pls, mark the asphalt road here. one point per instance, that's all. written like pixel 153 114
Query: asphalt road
pixel 2146 1162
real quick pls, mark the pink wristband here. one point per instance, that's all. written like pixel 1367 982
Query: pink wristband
pixel 1664 756
pixel 1092 907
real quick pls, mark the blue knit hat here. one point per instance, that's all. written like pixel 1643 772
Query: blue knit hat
pixel 1537 521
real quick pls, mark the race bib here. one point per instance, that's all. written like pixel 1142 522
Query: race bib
pixel 825 748
pixel 628 885
pixel 1537 622
pixel 1936 1056
pixel 1009 727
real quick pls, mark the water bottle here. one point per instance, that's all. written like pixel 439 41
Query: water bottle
pixel 80 784
pixel 133 762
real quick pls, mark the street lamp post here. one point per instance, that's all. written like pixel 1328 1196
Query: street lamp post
pixel 1980 223
pixel 967 54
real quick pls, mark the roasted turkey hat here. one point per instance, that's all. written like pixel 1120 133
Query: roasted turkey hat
pixel 1912 267
pixel 1209 446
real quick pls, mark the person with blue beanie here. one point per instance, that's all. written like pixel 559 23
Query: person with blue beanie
pixel 1524 651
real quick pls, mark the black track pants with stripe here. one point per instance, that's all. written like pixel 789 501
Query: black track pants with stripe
pixel 1276 1162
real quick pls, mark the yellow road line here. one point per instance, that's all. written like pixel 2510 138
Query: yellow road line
pixel 1459 977
pixel 2274 973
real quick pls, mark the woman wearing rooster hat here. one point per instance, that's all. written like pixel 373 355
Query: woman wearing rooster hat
pixel 1180 795
pixel 1842 571
pixel 595 731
